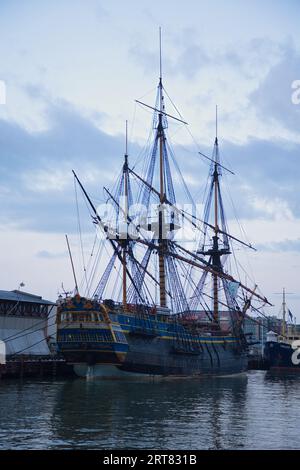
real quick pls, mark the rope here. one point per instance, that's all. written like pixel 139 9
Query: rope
pixel 31 346
pixel 80 234
pixel 16 335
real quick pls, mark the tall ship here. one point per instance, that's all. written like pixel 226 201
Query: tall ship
pixel 282 348
pixel 163 306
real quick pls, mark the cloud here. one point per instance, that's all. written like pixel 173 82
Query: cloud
pixel 50 255
pixel 252 59
pixel 287 245
pixel 237 76
pixel 41 181
pixel 267 178
pixel 265 184
pixel 273 98
pixel 36 183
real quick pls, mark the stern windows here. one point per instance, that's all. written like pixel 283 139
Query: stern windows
pixel 81 317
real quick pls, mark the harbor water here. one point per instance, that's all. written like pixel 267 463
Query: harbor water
pixel 251 411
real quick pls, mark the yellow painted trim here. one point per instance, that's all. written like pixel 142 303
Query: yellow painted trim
pixel 201 341
pixel 96 350
pixel 193 340
pixel 87 329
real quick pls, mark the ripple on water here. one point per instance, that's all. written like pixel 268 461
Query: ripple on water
pixel 256 411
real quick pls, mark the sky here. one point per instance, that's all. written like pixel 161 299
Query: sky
pixel 72 71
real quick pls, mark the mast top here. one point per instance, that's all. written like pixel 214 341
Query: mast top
pixel 160 85
pixel 162 112
pixel 125 166
pixel 216 141
pixel 160 61
pixel 126 138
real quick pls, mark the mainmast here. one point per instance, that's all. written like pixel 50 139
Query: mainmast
pixel 216 257
pixel 125 241
pixel 161 221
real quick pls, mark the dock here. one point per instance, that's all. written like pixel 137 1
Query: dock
pixel 33 367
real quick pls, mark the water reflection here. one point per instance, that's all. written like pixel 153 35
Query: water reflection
pixel 180 414
pixel 257 411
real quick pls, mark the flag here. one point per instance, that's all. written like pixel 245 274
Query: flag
pixel 290 315
pixel 233 288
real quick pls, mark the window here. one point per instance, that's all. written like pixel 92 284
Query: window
pixel 120 337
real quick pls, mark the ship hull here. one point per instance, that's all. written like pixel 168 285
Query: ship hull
pixel 157 358
pixel 282 357
pixel 112 372
pixel 94 353
pixel 126 344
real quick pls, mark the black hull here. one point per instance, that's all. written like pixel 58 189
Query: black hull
pixel 93 357
pixel 281 357
pixel 157 356
pixel 147 344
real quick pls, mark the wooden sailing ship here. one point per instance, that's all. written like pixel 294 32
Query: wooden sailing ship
pixel 179 332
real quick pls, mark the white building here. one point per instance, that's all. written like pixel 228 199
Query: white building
pixel 27 323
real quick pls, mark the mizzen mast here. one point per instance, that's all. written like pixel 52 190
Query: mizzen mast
pixel 216 251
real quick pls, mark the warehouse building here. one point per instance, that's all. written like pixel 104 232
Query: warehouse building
pixel 27 324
